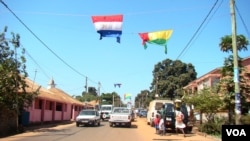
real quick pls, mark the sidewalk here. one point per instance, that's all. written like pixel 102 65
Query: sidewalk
pixel 149 134
pixel 35 127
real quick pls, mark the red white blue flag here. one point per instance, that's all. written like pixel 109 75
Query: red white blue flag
pixel 108 26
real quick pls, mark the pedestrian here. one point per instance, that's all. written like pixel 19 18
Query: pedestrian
pixel 163 117
pixel 162 128
pixel 156 123
pixel 179 124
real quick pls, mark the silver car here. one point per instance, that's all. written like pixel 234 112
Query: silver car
pixel 88 117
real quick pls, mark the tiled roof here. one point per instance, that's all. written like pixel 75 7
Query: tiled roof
pixel 53 94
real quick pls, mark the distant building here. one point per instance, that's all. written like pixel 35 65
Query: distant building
pixel 212 78
pixel 52 104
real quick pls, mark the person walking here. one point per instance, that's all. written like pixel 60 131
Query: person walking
pixel 156 123
pixel 179 124
pixel 163 117
pixel 162 128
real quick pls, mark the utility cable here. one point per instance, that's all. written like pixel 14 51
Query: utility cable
pixel 41 40
pixel 196 32
pixel 243 22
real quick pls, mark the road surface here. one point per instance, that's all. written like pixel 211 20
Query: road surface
pixel 139 131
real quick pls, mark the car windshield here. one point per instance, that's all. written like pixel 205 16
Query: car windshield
pixel 106 108
pixel 120 110
pixel 158 105
pixel 87 113
pixel 169 107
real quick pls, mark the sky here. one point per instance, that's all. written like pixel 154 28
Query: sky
pixel 62 43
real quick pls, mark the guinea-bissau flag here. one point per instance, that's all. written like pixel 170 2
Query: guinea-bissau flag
pixel 157 37
pixel 108 26
pixel 127 96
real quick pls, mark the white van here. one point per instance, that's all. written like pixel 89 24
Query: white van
pixel 105 111
pixel 154 106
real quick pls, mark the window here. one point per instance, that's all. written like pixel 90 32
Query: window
pixel 38 104
pixel 58 106
pixel 48 105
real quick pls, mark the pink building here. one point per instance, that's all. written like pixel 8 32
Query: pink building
pixel 213 77
pixel 52 104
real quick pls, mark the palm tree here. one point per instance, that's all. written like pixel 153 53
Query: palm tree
pixel 226 43
pixel 227 70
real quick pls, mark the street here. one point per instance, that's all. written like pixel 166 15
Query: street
pixel 139 131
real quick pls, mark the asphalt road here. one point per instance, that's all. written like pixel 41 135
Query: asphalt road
pixel 139 131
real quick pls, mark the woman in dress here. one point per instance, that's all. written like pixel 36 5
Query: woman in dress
pixel 179 121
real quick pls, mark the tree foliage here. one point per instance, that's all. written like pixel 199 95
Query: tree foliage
pixel 170 76
pixel 226 43
pixel 226 85
pixel 142 99
pixel 107 98
pixel 104 98
pixel 13 74
pixel 205 101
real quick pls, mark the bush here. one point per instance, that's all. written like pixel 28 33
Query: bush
pixel 245 119
pixel 212 127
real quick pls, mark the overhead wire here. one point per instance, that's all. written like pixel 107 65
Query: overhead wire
pixel 186 47
pixel 40 40
pixel 243 22
pixel 196 32
pixel 205 25
pixel 26 52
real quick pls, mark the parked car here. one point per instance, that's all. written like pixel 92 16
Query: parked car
pixel 143 113
pixel 88 117
pixel 105 111
pixel 154 107
pixel 170 116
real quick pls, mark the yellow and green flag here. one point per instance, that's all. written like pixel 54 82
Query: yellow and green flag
pixel 157 37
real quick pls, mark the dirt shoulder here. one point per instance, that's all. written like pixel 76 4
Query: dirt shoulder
pixel 149 134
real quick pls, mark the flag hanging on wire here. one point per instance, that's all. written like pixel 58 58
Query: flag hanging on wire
pixel 157 37
pixel 127 96
pixel 108 26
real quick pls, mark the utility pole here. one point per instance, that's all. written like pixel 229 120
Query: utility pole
pixel 113 99
pixel 156 88
pixel 99 95
pixel 99 85
pixel 86 85
pixel 236 68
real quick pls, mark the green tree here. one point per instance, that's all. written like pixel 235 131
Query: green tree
pixel 170 76
pixel 142 99
pixel 205 101
pixel 13 95
pixel 107 98
pixel 92 90
pixel 226 43
pixel 226 87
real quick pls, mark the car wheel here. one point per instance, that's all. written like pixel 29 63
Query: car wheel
pixel 77 124
pixel 110 124
pixel 99 123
